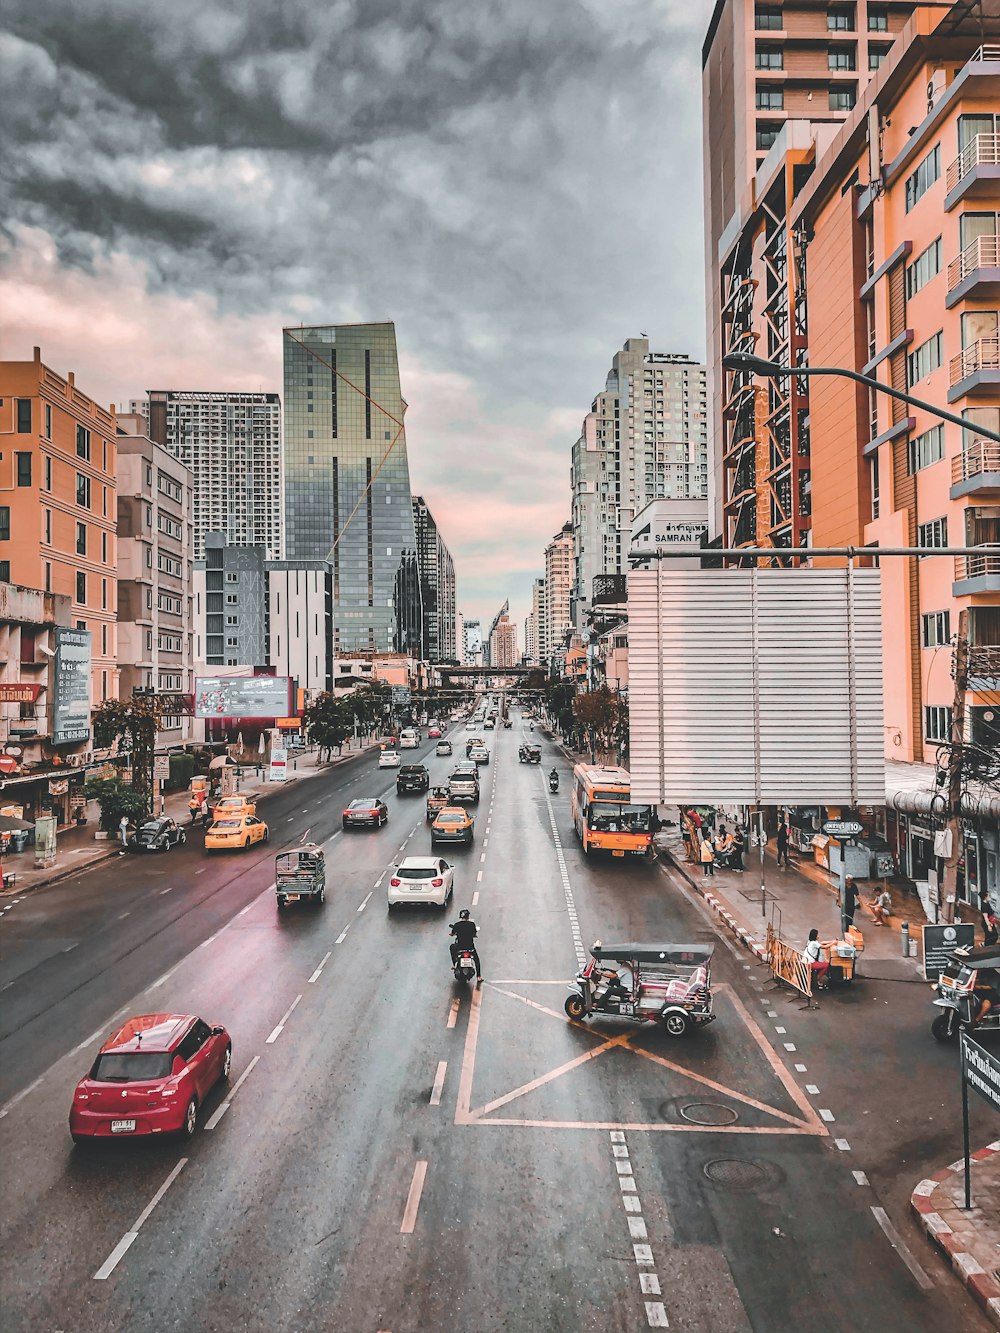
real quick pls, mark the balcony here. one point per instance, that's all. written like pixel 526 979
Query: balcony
pixel 977 573
pixel 976 271
pixel 976 470
pixel 975 370
pixel 975 173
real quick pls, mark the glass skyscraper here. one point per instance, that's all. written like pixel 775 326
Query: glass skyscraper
pixel 347 477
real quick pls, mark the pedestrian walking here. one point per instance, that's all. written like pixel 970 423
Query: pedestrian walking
pixel 850 904
pixel 989 918
pixel 707 856
pixel 736 850
pixel 194 808
pixel 687 833
pixel 123 834
pixel 783 844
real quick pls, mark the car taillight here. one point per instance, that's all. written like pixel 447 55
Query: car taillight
pixel 395 883
pixel 345 813
pixel 436 883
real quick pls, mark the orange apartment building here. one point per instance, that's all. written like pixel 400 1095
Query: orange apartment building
pixel 58 507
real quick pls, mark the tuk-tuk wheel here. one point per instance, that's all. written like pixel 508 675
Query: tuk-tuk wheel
pixel 677 1025
pixel 321 897
pixel 940 1028
pixel 281 904
pixel 574 1006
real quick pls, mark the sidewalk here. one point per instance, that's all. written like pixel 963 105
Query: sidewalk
pixel 78 849
pixel 970 1241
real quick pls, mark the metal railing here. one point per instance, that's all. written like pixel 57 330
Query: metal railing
pixel 983 252
pixel 983 354
pixel 978 566
pixel 981 456
pixel 983 150
pixel 986 52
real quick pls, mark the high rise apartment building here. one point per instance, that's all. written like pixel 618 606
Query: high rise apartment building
pixel 155 571
pixel 58 468
pixel 472 641
pixel 644 438
pixel 232 444
pixel 437 587
pixel 347 480
pixel 558 589
pixel 503 640
pixel 536 621
pixel 779 80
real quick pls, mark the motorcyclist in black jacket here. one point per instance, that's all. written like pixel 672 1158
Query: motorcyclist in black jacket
pixel 465 932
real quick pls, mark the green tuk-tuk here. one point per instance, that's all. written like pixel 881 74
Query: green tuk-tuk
pixel 300 875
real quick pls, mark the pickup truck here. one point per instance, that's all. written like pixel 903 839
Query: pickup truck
pixel 412 777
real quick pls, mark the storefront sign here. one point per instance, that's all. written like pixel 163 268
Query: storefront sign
pixel 242 696
pixel 885 864
pixel 58 786
pixel 16 693
pixel 278 768
pixel 71 704
pixel 843 828
pixel 161 767
pixel 940 941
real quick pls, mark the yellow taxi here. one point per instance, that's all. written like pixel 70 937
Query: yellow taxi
pixel 235 831
pixel 452 824
pixel 229 807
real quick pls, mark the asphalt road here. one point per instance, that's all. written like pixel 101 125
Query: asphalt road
pixel 400 1154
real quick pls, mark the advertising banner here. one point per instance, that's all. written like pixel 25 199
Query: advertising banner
pixel 278 768
pixel 71 690
pixel 16 693
pixel 242 696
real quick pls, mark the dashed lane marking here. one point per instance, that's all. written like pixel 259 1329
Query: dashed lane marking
pixel 438 1087
pixel 19 1096
pixel 342 936
pixel 315 975
pixel 826 1115
pixel 475 899
pixel 116 1255
pixel 243 910
pixel 581 953
pixel 413 1199
pixel 859 1178
pixel 167 890
pixel 366 900
pixel 220 1111
pixel 479 877
pixel 276 1033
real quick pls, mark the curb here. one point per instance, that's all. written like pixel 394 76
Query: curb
pixel 983 1287
pixel 749 941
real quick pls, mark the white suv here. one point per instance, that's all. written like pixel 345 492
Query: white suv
pixel 408 739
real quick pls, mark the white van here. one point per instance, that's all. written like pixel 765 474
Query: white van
pixel 408 739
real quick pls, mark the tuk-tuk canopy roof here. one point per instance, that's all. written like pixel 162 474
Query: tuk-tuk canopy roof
pixel 308 852
pixel 693 955
pixel 984 955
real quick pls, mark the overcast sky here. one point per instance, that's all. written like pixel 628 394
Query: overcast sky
pixel 517 183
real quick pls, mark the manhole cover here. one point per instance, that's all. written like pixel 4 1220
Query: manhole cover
pixel 709 1113
pixel 735 1174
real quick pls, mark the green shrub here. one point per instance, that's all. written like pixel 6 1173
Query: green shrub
pixel 181 772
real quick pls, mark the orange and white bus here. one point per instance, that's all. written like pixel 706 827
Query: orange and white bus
pixel 603 815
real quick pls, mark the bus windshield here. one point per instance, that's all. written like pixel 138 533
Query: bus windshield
pixel 603 817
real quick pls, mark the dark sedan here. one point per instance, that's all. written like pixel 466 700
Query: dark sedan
pixel 157 835
pixel 368 811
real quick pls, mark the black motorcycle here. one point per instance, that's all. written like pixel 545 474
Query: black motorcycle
pixel 553 782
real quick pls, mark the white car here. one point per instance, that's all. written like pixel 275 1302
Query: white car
pixel 388 759
pixel 473 726
pixel 421 879
pixel 409 739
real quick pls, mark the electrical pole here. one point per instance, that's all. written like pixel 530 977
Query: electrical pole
pixel 955 757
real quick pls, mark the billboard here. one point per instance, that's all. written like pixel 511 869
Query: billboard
pixel 242 696
pixel 755 686
pixel 71 686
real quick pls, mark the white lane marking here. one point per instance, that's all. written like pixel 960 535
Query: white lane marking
pixel 486 843
pixel 453 1013
pixel 243 910
pixel 842 1144
pixel 632 1202
pixel 438 1087
pixel 581 953
pixel 475 899
pixel 380 878
pixel 123 915
pixel 211 939
pixel 812 1089
pixel 315 975
pixel 859 1178
pixel 656 1314
pixel 637 1228
pixel 18 1096
pixel 413 1199
pixel 643 1254
pixel 71 948
pixel 619 1150
pixel 649 1284
pixel 482 858
pixel 800 1069
pixel 201 871
pixel 284 1019
pixel 342 936
pixel 826 1115
pixel 306 834
pixel 289 819
pixel 789 1046
pixel 479 877
pixel 220 1111
pixel 901 1248
pixel 166 977
pixel 626 1183
pixel 163 891
pixel 111 1262
pixel 365 903
pixel 780 1031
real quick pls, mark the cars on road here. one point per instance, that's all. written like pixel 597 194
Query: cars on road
pixel 157 835
pixel 480 754
pixel 421 879
pixel 150 1077
pixel 243 804
pixel 463 784
pixel 409 739
pixel 490 723
pixel 443 747
pixel 235 831
pixel 388 759
pixel 433 733
pixel 412 777
pixel 365 812
pixel 452 824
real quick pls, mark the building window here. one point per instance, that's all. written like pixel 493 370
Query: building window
pixel 921 180
pixel 766 135
pixel 82 490
pixel 927 265
pixel 23 469
pixel 841 99
pixel 933 534
pixel 4 571
pixel 767 19
pixel 925 449
pixel 81 586
pixel 878 20
pixel 769 57
pixel 24 416
pixel 924 359
pixel 842 59
pixel 48 473
pixel 104 594
pixel 875 57
pixel 937 723
pixel 368 394
pixel 149 641
pixel 48 577
pixel 104 547
pixel 48 421
pixel 104 640
pixel 770 99
pixel 936 629
pixel 4 523
pixel 840 20
pixel 83 443
pixel 81 539
pixel 232 643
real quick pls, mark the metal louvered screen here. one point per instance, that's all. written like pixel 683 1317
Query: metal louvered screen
pixel 756 686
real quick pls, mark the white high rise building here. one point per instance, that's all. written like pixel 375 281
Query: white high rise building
pixel 558 588
pixel 232 444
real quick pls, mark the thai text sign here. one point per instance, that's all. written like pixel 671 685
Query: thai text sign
pixel 71 701
pixel 16 693
pixel 242 696
pixel 940 942
pixel 981 1071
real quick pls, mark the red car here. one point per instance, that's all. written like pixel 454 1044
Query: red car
pixel 150 1077
pixel 434 734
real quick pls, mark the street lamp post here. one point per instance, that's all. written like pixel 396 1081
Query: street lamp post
pixel 749 364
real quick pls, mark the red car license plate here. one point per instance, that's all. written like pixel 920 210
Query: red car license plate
pixel 123 1127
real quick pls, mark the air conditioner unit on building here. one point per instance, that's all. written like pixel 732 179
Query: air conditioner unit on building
pixel 935 87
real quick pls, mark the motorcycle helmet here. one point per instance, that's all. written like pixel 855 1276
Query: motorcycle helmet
pixel 463 914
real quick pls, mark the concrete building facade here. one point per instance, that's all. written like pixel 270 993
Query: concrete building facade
pixel 59 513
pixel 155 571
pixel 472 641
pixel 645 437
pixel 558 593
pixel 437 587
pixel 231 442
pixel 503 642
